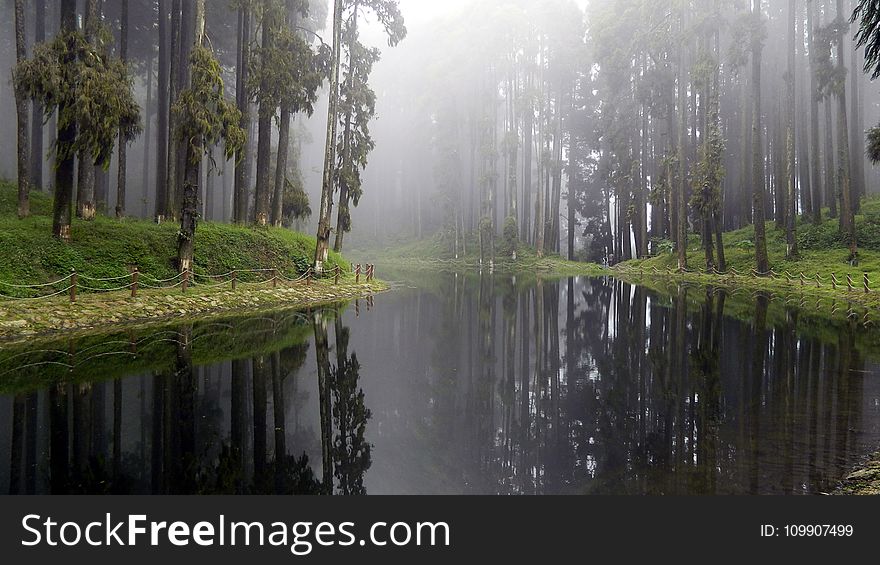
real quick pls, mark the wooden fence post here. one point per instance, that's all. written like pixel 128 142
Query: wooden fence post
pixel 833 281
pixel 849 283
pixel 73 280
pixel 802 279
pixel 866 282
pixel 234 279
pixel 336 280
pixel 274 278
pixel 134 282
pixel 357 274
pixel 185 282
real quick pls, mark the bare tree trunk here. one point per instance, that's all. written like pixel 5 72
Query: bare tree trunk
pixel 847 219
pixel 123 143
pixel 762 263
pixel 262 193
pixel 21 110
pixel 36 156
pixel 343 214
pixel 815 163
pixel 85 187
pixel 242 156
pixel 171 184
pixel 148 128
pixel 162 115
pixel 281 168
pixel 64 164
pixel 681 232
pixel 791 250
pixel 189 201
pixel 325 214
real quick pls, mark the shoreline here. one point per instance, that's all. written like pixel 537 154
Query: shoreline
pixel 91 313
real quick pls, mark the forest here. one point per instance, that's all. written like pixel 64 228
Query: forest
pixel 600 131
pixel 624 246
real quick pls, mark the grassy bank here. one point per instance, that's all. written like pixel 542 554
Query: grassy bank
pixel 106 247
pixel 22 320
pixel 821 252
pixel 434 254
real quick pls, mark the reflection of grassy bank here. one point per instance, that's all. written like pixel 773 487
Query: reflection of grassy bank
pixel 20 319
pixel 864 480
pixel 32 365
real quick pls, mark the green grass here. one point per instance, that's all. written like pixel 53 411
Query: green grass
pixel 107 247
pixel 822 250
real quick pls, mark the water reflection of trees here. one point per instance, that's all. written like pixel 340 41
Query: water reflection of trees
pixel 598 386
pixel 228 427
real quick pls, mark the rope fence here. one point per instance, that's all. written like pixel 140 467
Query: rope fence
pixel 74 283
pixel 800 279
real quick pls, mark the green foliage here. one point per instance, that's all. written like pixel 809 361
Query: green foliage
pixel 106 247
pixel 830 75
pixel 287 73
pixel 867 14
pixel 510 234
pixel 92 90
pixel 873 146
pixel 295 202
pixel 202 113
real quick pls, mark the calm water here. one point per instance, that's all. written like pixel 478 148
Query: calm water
pixel 452 384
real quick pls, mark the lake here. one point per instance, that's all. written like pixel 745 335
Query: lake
pixel 454 384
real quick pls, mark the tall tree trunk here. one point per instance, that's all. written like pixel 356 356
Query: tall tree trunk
pixel 681 195
pixel 858 129
pixel 805 183
pixel 847 219
pixel 791 250
pixel 21 110
pixel 262 194
pixel 815 163
pixel 528 128
pixel 281 168
pixel 85 186
pixel 64 165
pixel 36 155
pixel 325 213
pixel 123 143
pixel 343 215
pixel 194 19
pixel 242 156
pixel 148 128
pixel 162 114
pixel 762 264
pixel 171 181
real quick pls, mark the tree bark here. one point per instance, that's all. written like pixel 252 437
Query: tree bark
pixel 64 165
pixel 242 156
pixel 123 143
pixel 762 263
pixel 847 220
pixel 815 162
pixel 281 169
pixel 162 115
pixel 262 192
pixel 681 195
pixel 21 110
pixel 791 250
pixel 148 122
pixel 36 155
pixel 325 214
pixel 173 162
pixel 85 187
pixel 189 197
